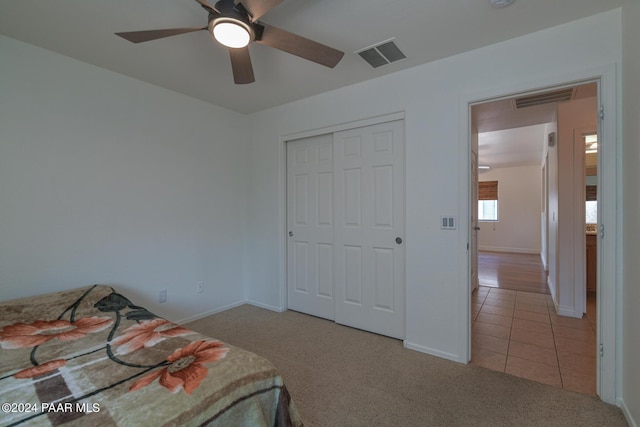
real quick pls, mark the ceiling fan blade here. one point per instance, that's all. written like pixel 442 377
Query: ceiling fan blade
pixel 241 66
pixel 300 46
pixel 148 35
pixel 206 5
pixel 257 8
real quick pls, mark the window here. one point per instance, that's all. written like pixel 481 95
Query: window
pixel 488 201
pixel 591 208
pixel 487 210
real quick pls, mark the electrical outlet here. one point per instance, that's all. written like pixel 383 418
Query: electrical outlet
pixel 162 296
pixel 200 287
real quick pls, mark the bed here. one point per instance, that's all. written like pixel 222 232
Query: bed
pixel 90 356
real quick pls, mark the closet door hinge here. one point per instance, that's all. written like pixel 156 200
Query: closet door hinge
pixel 601 350
pixel 601 113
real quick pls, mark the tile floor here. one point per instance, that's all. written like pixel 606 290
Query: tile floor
pixel 520 333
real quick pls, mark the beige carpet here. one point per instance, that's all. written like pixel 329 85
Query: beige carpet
pixel 340 376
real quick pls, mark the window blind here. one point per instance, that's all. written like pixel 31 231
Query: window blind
pixel 488 190
pixel 592 193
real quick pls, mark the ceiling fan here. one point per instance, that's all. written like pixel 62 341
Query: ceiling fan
pixel 235 25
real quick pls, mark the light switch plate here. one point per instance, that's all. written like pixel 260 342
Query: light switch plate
pixel 448 222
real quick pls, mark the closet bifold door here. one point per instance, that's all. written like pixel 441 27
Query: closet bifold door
pixel 310 221
pixel 369 228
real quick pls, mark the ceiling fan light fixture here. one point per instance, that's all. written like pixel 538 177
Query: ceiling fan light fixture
pixel 231 33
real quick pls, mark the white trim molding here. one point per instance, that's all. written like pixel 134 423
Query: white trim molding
pixel 610 183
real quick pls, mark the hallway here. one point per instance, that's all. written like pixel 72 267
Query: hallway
pixel 518 332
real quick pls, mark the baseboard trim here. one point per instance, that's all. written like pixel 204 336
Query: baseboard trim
pixel 552 289
pixel 433 352
pixel 210 312
pixel 265 306
pixel 544 263
pixel 229 307
pixel 627 413
pixel 512 250
pixel 568 311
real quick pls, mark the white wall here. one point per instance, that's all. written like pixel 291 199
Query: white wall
pixel 631 222
pixel 105 179
pixel 573 118
pixel 551 156
pixel 429 95
pixel 519 207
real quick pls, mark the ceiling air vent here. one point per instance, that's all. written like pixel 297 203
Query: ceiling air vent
pixel 382 53
pixel 544 98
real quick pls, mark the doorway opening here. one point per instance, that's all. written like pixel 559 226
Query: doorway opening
pixel 529 317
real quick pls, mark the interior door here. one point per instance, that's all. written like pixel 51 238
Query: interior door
pixel 310 223
pixel 369 233
pixel 474 220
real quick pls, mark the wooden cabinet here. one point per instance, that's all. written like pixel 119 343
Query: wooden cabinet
pixel 592 262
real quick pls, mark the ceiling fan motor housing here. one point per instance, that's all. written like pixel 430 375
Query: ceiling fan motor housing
pixel 235 14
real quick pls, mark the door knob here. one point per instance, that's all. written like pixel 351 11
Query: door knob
pixel 398 240
pixel 476 228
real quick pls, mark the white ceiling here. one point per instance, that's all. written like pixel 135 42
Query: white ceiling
pixel 510 136
pixel 512 147
pixel 193 64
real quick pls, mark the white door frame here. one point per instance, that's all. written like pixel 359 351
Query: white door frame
pixel 580 243
pixel 609 270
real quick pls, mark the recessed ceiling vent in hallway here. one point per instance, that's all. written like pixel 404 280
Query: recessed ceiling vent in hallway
pixel 544 98
pixel 382 53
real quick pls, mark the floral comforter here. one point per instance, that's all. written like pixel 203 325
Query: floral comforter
pixel 90 356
